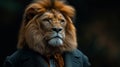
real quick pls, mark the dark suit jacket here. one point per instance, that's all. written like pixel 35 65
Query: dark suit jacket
pixel 29 58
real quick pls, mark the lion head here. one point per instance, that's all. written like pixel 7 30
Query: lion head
pixel 47 27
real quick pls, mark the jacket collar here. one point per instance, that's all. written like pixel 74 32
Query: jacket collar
pixel 68 57
pixel 67 60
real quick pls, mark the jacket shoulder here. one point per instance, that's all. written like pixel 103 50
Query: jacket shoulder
pixel 77 53
pixel 16 58
pixel 84 59
pixel 12 59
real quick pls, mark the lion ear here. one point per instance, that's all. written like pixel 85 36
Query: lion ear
pixel 31 11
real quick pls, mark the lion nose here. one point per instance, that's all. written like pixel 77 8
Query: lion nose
pixel 57 29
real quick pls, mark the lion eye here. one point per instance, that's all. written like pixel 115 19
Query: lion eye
pixel 62 21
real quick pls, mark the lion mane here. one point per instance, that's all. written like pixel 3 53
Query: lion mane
pixel 31 33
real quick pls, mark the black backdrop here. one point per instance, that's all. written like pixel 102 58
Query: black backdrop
pixel 97 24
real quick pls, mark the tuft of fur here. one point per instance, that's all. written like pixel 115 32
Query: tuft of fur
pixel 33 36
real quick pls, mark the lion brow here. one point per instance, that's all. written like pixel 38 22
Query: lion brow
pixel 52 2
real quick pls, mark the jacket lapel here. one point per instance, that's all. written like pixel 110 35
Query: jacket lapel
pixel 72 59
pixel 68 60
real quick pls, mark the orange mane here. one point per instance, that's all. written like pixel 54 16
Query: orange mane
pixel 41 6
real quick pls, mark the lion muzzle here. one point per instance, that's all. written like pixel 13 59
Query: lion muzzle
pixel 56 38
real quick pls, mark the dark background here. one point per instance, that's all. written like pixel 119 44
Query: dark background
pixel 97 23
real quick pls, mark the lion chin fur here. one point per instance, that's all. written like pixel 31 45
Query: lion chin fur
pixel 31 35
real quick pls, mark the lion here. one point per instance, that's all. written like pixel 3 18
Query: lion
pixel 47 27
pixel 47 37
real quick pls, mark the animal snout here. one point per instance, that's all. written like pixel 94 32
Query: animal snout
pixel 57 29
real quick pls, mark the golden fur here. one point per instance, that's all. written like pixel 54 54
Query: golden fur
pixel 33 34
